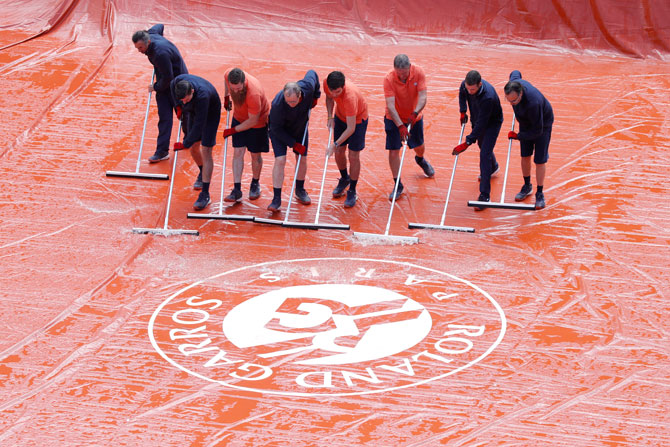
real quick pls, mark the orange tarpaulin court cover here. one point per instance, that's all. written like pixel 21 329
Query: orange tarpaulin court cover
pixel 537 327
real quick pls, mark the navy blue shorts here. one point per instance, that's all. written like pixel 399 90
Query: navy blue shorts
pixel 393 141
pixel 209 129
pixel 254 139
pixel 280 148
pixel 356 141
pixel 538 146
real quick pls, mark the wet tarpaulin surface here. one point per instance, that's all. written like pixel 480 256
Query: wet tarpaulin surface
pixel 541 328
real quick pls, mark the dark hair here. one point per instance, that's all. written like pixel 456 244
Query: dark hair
pixel 335 80
pixel 473 77
pixel 513 86
pixel 182 89
pixel 236 76
pixel 401 61
pixel 140 35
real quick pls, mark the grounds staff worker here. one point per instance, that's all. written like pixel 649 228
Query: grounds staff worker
pixel 201 107
pixel 405 93
pixel 168 64
pixel 349 124
pixel 536 118
pixel 289 115
pixel 487 118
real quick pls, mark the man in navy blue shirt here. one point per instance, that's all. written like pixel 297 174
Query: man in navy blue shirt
pixel 481 98
pixel 536 118
pixel 289 116
pixel 201 110
pixel 168 64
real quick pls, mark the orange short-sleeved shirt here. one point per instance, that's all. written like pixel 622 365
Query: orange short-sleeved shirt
pixel 256 102
pixel 349 103
pixel 406 93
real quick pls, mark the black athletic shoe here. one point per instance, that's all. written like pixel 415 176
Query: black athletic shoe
pixel 254 191
pixel 351 199
pixel 539 201
pixel 342 185
pixel 202 202
pixel 275 204
pixel 302 196
pixel 526 190
pixel 496 168
pixel 482 198
pixel 427 168
pixel 234 196
pixel 198 182
pixel 401 188
pixel 159 156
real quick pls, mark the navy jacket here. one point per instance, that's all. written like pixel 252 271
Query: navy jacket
pixel 534 113
pixel 165 58
pixel 287 124
pixel 485 109
pixel 205 97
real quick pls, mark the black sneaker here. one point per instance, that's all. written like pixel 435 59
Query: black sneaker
pixel 351 199
pixel 234 196
pixel 254 191
pixel 427 168
pixel 482 198
pixel 302 196
pixel 198 182
pixel 275 204
pixel 526 190
pixel 159 156
pixel 539 201
pixel 401 188
pixel 342 184
pixel 202 202
pixel 496 168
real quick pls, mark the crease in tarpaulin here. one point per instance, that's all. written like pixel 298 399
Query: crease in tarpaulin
pixel 607 35
pixel 71 88
pixel 59 16
pixel 601 25
pixel 603 216
pixel 80 301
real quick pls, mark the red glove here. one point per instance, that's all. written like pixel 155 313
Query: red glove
pixel 299 148
pixel 412 118
pixel 404 133
pixel 513 135
pixel 178 146
pixel 464 117
pixel 227 104
pixel 460 148
pixel 177 110
pixel 316 100
pixel 228 132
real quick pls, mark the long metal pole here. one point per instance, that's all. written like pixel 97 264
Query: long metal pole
pixel 297 166
pixel 144 128
pixel 223 165
pixel 323 179
pixel 509 150
pixel 174 168
pixel 451 182
pixel 397 182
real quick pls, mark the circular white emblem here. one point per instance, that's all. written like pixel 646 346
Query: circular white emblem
pixel 327 326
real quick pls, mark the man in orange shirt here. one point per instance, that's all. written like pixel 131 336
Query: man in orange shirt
pixel 405 93
pixel 350 125
pixel 249 128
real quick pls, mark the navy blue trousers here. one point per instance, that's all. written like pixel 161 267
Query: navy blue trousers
pixel 165 114
pixel 487 159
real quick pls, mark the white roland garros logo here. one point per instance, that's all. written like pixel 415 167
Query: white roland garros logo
pixel 327 326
